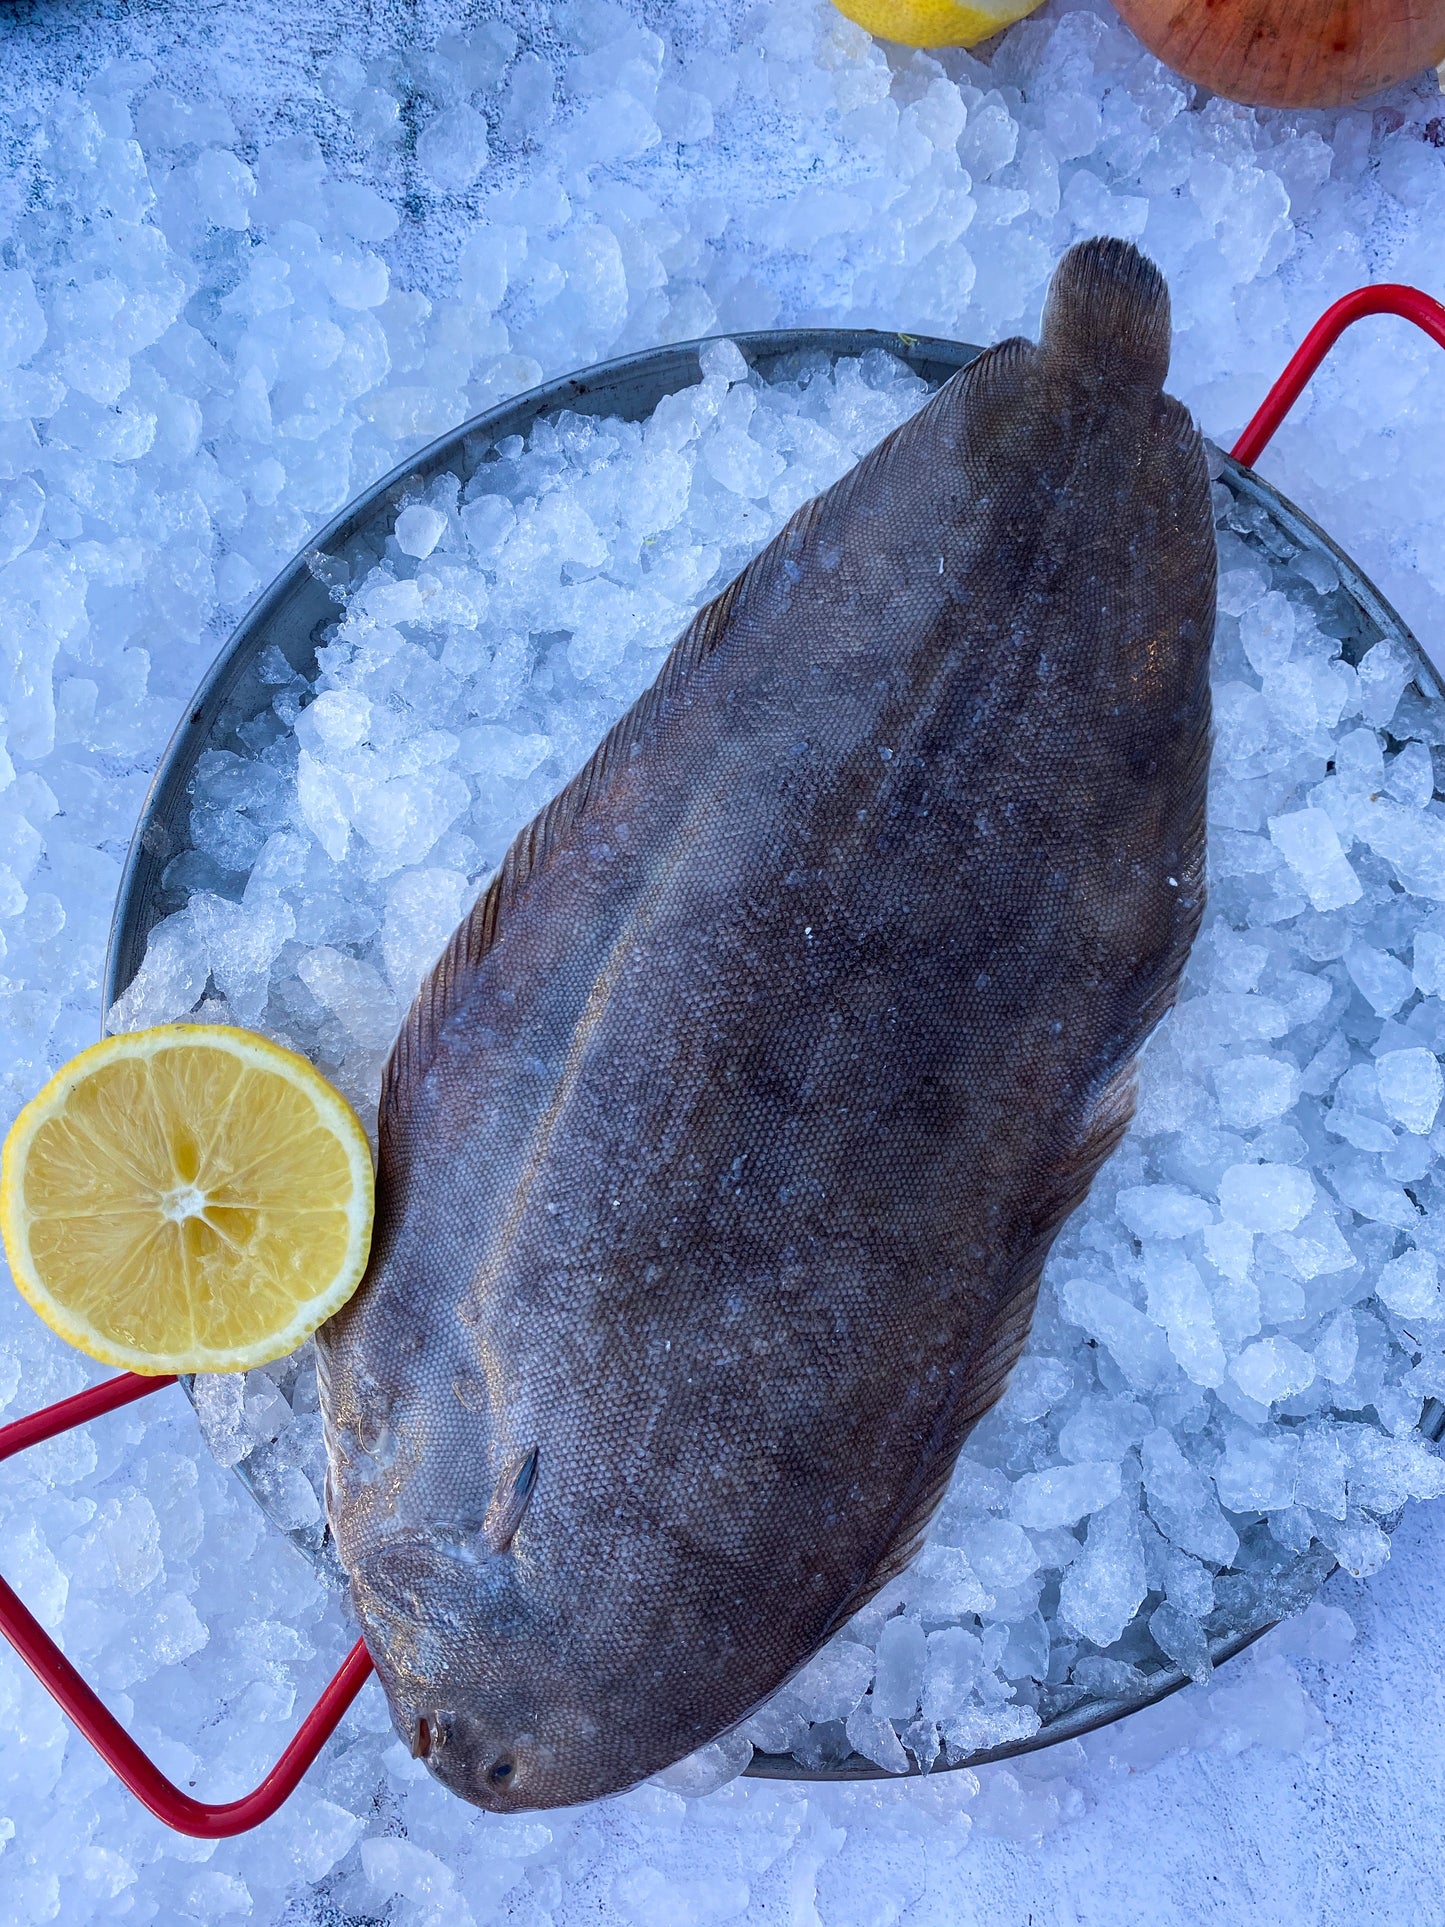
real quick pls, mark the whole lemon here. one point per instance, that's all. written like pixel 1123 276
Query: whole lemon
pixel 935 23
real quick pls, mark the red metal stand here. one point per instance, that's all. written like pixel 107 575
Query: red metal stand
pixel 1390 297
pixel 105 1733
pixel 43 1656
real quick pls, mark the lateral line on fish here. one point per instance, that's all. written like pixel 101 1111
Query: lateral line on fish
pixel 535 843
pixel 591 1016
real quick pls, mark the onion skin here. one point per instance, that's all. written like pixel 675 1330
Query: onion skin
pixel 1291 53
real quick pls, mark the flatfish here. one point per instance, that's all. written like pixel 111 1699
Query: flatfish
pixel 722 1149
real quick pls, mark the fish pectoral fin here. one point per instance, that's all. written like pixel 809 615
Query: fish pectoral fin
pixel 510 1500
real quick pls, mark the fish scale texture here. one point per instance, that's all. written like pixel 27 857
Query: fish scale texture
pixel 723 1169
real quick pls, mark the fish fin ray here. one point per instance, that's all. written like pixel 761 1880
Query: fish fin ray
pixel 451 977
pixel 510 1500
pixel 984 1374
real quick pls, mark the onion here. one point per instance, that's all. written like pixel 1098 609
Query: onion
pixel 1291 53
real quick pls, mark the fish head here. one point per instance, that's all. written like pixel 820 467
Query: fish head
pixel 485 1754
pixel 473 1679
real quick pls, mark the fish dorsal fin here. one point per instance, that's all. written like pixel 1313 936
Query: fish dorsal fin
pixel 1107 313
pixel 510 1500
pixel 452 975
pixel 454 971
pixel 984 1374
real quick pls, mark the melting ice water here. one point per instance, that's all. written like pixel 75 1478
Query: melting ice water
pixel 1235 1335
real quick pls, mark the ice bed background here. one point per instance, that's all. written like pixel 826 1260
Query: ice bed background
pixel 242 275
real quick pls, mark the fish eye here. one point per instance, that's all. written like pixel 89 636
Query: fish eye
pixel 499 1773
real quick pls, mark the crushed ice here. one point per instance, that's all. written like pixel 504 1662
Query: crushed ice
pixel 228 301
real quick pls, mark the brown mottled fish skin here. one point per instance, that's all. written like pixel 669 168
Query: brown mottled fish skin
pixel 722 1150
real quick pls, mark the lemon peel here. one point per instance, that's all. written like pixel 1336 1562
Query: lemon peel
pixel 934 23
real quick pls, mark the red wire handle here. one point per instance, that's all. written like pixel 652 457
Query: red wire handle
pixel 44 1657
pixel 1389 297
pixel 105 1733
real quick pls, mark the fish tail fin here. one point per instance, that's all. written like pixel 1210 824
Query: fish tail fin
pixel 1108 310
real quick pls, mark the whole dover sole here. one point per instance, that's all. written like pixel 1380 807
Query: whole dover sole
pixel 722 1149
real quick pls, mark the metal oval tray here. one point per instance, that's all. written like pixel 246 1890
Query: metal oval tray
pixel 296 611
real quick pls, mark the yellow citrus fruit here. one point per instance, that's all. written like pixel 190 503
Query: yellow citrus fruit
pixel 186 1199
pixel 935 23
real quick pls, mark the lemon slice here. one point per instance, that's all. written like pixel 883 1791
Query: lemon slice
pixel 935 23
pixel 186 1199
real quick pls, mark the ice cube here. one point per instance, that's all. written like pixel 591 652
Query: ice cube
pixel 954 1662
pixel 723 362
pixel 1335 1352
pixel 898 1682
pixel 1266 1197
pixel 1001 1554
pixel 833 1682
pixel 22 319
pixel 527 101
pixel 1410 1087
pixel 1257 1471
pixel 1384 670
pixel 452 149
pixel 711 1767
pixel 1273 1368
pixel 1254 1089
pixel 1136 1343
pixel 876 1739
pixel 1382 979
pixel 1102 1589
pixel 221 1409
pixel 400 1868
pixel 1162 1211
pixel 1429 956
pixel 1063 1495
pixel 1409 1285
pixel 1266 632
pixel 419 528
pixel 1180 1637
pixel 1179 1301
pixel 1309 844
pixel 1181 1501
pixel 1320 1632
